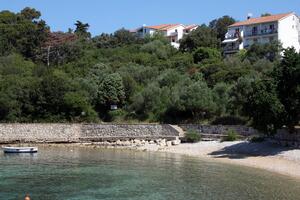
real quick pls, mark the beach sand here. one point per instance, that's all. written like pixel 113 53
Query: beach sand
pixel 265 155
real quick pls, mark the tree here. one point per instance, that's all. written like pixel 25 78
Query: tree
pixel 240 92
pixel 78 107
pixel 265 14
pixel 124 37
pixel 82 30
pixel 19 32
pixel 264 107
pixel 190 100
pixel 111 90
pixel 206 55
pixel 287 78
pixel 270 51
pixel 158 48
pixel 30 13
pixel 221 93
pixel 220 25
pixel 203 36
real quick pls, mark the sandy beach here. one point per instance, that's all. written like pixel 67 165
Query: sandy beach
pixel 265 155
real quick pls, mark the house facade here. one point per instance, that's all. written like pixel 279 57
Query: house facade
pixel 173 32
pixel 284 28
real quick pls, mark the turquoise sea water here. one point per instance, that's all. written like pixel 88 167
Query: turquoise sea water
pixel 80 174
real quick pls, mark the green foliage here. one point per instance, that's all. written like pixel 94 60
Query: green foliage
pixel 22 32
pixel 117 115
pixel 78 108
pixel 222 98
pixel 111 91
pixel 265 14
pixel 203 36
pixel 231 136
pixel 269 51
pixel 287 79
pixel 82 30
pixel 120 38
pixel 158 48
pixel 206 55
pixel 264 107
pixel 274 102
pixel 147 79
pixel 220 25
pixel 192 136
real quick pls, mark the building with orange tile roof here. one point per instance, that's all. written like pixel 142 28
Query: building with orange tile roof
pixel 173 32
pixel 284 28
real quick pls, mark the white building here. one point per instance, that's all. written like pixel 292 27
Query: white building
pixel 284 28
pixel 174 32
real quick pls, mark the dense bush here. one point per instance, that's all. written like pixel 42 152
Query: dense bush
pixel 231 135
pixel 192 136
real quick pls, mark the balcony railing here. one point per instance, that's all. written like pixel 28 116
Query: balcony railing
pixel 261 32
pixel 232 36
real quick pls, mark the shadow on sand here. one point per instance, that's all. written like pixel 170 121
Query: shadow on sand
pixel 248 149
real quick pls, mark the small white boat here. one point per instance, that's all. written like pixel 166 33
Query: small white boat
pixel 20 149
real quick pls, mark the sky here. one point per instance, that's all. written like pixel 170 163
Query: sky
pixel 110 15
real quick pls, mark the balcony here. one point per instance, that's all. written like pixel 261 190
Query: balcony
pixel 261 32
pixel 232 36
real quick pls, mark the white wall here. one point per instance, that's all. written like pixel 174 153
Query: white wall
pixel 287 33
pixel 180 32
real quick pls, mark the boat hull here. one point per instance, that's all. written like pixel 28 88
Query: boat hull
pixel 20 149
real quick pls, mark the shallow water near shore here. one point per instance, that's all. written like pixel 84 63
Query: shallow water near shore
pixel 85 173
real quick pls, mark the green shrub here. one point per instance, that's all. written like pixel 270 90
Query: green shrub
pixel 192 136
pixel 231 135
pixel 257 139
pixel 116 115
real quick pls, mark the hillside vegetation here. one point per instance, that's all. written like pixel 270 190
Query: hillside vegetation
pixel 73 77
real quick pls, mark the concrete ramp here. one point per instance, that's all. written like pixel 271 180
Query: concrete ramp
pixel 181 132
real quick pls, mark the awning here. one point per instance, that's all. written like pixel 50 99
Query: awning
pixel 230 40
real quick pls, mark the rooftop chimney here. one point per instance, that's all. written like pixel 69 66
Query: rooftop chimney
pixel 249 16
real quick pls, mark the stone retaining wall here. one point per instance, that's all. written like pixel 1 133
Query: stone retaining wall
pixel 83 132
pixel 219 129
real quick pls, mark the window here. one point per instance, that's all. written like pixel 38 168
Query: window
pixel 272 27
pixel 173 40
pixel 176 30
pixel 254 30
pixel 271 39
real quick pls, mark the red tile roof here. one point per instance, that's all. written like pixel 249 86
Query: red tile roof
pixel 163 27
pixel 189 27
pixel 259 20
